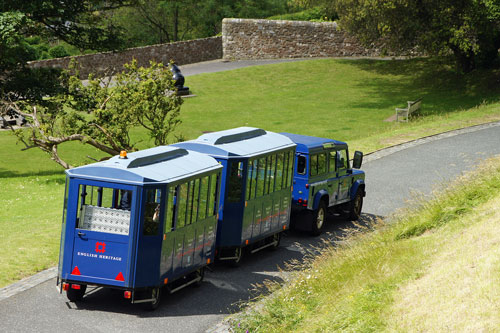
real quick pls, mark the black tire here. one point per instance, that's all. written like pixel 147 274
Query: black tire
pixel 277 239
pixel 156 295
pixel 199 274
pixel 238 253
pixel 318 219
pixel 355 207
pixel 76 295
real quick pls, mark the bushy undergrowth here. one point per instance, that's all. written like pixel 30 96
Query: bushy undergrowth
pixel 351 285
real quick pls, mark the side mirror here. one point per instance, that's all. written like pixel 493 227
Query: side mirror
pixel 358 160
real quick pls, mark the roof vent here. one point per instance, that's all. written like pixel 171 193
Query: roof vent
pixel 155 157
pixel 240 136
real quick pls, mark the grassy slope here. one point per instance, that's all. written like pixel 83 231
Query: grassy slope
pixel 436 268
pixel 341 99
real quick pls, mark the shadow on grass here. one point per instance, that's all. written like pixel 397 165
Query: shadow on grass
pixel 443 89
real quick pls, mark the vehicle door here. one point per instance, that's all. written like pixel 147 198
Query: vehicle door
pixel 344 178
pixel 103 238
pixel 333 180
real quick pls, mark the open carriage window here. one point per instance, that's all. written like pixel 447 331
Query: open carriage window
pixel 104 209
pixel 152 212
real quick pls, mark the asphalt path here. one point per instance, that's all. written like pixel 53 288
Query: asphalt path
pixel 391 181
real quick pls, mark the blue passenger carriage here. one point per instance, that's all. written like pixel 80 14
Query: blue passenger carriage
pixel 139 222
pixel 255 189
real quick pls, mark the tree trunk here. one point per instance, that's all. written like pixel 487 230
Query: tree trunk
pixel 176 22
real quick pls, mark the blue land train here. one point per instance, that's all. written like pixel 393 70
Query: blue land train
pixel 256 187
pixel 139 222
pixel 324 181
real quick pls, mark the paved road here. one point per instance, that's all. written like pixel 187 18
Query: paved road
pixel 390 180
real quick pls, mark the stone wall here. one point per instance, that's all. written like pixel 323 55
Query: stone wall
pixel 185 52
pixel 265 39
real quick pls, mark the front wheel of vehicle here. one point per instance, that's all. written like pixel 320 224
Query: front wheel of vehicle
pixel 200 274
pixel 275 239
pixel 156 297
pixel 238 254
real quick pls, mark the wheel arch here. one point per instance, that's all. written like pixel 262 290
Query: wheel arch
pixel 322 195
pixel 358 185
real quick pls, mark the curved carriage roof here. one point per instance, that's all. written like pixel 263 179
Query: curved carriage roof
pixel 155 165
pixel 238 142
pixel 305 143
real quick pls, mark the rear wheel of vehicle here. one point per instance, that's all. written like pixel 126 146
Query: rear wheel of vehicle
pixel 200 274
pixel 156 297
pixel 76 295
pixel 355 206
pixel 238 254
pixel 318 219
pixel 275 239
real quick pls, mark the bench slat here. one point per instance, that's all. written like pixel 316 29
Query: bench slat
pixel 412 107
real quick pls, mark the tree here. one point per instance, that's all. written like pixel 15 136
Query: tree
pixel 103 112
pixel 468 29
pixel 79 22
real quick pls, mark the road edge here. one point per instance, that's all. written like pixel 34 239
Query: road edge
pixel 27 283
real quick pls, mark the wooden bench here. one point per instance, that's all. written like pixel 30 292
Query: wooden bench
pixel 405 113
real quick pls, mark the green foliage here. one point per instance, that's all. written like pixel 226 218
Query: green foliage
pixel 159 21
pixel 58 51
pixel 80 23
pixel 312 14
pixel 352 285
pixel 26 25
pixel 468 29
pixel 103 113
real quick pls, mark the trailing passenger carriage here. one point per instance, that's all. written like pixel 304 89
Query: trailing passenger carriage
pixel 139 222
pixel 256 188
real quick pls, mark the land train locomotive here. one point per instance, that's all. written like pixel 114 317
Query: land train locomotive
pixel 152 220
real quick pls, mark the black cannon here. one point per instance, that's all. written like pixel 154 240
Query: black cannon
pixel 179 80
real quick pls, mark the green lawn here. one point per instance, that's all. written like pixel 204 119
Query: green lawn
pixel 435 269
pixel 341 99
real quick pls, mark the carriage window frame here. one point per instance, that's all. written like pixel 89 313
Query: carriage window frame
pixel 152 211
pixel 203 198
pixel 235 181
pixel 291 163
pixel 169 210
pixel 279 171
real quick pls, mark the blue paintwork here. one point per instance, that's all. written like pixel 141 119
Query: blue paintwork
pixel 331 185
pixel 102 256
pixel 234 145
pixel 305 143
pixel 359 183
pixel 318 197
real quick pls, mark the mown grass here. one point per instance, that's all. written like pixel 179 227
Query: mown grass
pixel 341 99
pixel 376 278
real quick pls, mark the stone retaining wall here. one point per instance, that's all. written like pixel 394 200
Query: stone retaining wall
pixel 266 39
pixel 185 52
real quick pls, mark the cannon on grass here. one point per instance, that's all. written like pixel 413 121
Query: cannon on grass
pixel 179 80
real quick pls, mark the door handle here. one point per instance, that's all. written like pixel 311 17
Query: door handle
pixel 81 233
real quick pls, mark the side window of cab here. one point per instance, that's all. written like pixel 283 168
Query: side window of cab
pixel 342 160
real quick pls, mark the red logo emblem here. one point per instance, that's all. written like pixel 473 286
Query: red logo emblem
pixel 100 247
